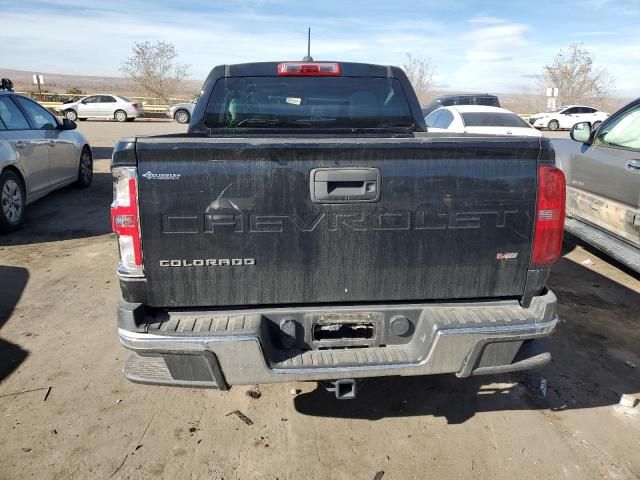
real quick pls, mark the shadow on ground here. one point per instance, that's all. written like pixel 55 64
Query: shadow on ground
pixel 595 360
pixel 68 213
pixel 13 280
pixel 570 242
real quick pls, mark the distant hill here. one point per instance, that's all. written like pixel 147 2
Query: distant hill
pixel 60 83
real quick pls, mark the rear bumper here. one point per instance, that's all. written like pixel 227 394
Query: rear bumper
pixel 134 113
pixel 216 349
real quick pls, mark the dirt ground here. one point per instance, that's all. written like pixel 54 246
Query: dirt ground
pixel 67 412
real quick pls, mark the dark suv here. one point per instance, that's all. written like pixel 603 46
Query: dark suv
pixel 461 99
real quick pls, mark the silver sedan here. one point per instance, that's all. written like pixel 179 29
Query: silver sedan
pixel 38 154
pixel 106 106
pixel 181 112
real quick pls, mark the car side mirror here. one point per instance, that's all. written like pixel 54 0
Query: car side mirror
pixel 68 124
pixel 581 132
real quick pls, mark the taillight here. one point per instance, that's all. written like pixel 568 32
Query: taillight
pixel 125 220
pixel 309 69
pixel 549 225
pixel 136 105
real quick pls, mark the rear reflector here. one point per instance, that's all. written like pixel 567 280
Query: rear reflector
pixel 309 69
pixel 549 224
pixel 125 221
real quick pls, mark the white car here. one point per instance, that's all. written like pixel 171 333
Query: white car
pixel 479 119
pixel 105 106
pixel 567 117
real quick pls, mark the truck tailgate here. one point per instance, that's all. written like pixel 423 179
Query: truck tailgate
pixel 240 221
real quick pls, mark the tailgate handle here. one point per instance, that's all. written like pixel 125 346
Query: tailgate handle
pixel 345 185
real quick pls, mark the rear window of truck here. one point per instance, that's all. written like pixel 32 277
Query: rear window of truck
pixel 493 119
pixel 308 103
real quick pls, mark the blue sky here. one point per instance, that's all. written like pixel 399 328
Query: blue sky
pixel 474 45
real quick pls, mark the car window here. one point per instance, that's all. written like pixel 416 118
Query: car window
pixel 588 110
pixel 308 103
pixel 107 99
pixel 431 107
pixel 94 99
pixel 11 115
pixel 40 118
pixel 488 101
pixel 623 131
pixel 444 119
pixel 493 119
pixel 570 111
pixel 432 119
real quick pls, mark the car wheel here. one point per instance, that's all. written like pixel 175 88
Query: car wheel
pixel 182 116
pixel 553 125
pixel 120 115
pixel 595 125
pixel 71 115
pixel 12 201
pixel 85 168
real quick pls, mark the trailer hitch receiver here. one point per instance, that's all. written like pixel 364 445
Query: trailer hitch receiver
pixel 344 389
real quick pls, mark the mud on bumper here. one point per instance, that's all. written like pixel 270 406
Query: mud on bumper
pixel 241 347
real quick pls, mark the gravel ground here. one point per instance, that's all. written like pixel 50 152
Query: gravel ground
pixel 67 412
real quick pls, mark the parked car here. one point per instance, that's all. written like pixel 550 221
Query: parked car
pixel 485 99
pixel 603 185
pixel 38 154
pixel 479 119
pixel 566 117
pixel 106 106
pixel 318 232
pixel 181 112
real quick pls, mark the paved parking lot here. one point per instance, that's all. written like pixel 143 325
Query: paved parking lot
pixel 66 411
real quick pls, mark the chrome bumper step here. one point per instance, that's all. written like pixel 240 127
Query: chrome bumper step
pixel 461 338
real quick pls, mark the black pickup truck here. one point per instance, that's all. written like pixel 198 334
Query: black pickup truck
pixel 307 227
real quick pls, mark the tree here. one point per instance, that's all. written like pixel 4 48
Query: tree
pixel 74 91
pixel 420 72
pixel 153 66
pixel 577 78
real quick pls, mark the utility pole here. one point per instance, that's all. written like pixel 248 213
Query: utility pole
pixel 552 96
pixel 38 80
